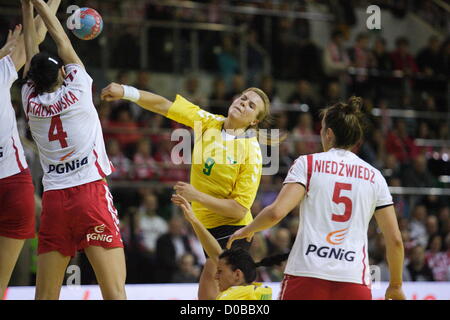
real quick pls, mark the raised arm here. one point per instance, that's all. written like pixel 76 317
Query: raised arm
pixel 11 41
pixel 18 54
pixel 29 30
pixel 289 197
pixel 65 49
pixel 208 242
pixel 387 222
pixel 145 99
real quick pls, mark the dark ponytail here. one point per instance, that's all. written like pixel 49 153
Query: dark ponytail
pixel 44 70
pixel 347 122
pixel 273 260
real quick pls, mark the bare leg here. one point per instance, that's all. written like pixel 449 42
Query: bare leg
pixel 50 275
pixel 207 287
pixel 9 253
pixel 110 270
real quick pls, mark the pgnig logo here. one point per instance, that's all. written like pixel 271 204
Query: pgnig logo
pixel 67 166
pixel 331 253
pixel 97 235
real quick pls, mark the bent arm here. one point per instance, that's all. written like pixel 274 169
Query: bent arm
pixel 225 207
pixel 387 222
pixel 289 197
pixel 65 48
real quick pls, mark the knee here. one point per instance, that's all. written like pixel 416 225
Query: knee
pixel 115 293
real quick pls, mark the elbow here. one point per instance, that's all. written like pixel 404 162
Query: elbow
pixel 275 214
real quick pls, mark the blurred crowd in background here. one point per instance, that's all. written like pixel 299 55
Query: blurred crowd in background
pixel 388 78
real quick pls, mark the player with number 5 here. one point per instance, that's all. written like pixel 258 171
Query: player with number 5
pixel 77 208
pixel 338 195
pixel 226 162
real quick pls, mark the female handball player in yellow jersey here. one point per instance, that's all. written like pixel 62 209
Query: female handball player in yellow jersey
pixel 236 269
pixel 226 161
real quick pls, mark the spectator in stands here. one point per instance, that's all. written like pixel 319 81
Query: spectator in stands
pixel 304 133
pixel 428 58
pixel 432 226
pixel 267 85
pixel 143 81
pixel 286 158
pixel 168 171
pixel 192 91
pixel 418 174
pixel 333 94
pixel 444 221
pixel 436 259
pixel 237 87
pixel 255 57
pixel 227 59
pixel 418 267
pixel 302 95
pixel 382 60
pixel 444 58
pixel 125 130
pixel 336 60
pixel 402 60
pixel 400 144
pixel 149 223
pixel 145 166
pixel 362 60
pixel 121 163
pixel 418 231
pixel 279 241
pixel 266 194
pixel 218 99
pixel 401 202
pixel 170 247
pixel 187 271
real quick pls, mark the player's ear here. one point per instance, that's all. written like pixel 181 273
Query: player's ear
pixel 63 71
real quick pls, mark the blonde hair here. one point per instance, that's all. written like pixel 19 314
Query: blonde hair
pixel 264 120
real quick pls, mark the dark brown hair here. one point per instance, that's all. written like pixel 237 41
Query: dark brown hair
pixel 346 120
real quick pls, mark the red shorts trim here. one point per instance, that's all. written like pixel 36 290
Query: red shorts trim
pixel 306 288
pixel 75 218
pixel 17 212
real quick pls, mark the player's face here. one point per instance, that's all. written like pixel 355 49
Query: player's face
pixel 225 276
pixel 245 109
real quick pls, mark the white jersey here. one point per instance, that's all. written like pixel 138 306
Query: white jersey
pixel 12 158
pixel 342 193
pixel 67 131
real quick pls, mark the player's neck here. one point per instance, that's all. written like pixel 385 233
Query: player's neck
pixel 232 128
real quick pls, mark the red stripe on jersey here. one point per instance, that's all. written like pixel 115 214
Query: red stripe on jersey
pixel 364 266
pixel 16 151
pixel 309 159
pixel 100 171
pixel 31 96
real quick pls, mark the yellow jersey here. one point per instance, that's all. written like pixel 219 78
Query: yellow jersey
pixel 255 291
pixel 223 166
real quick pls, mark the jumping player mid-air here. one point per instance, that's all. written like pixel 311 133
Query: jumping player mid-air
pixel 338 195
pixel 226 162
pixel 77 208
pixel 17 214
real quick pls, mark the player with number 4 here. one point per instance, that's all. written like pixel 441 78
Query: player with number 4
pixel 338 195
pixel 77 208
pixel 226 162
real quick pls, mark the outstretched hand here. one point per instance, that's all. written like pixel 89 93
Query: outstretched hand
pixel 242 233
pixel 112 92
pixel 11 41
pixel 185 206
